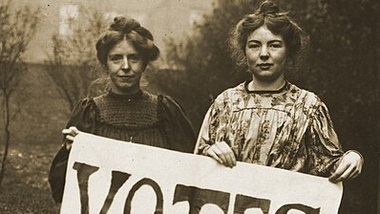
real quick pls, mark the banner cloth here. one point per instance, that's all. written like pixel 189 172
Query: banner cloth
pixel 110 176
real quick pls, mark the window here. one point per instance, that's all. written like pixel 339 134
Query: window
pixel 196 17
pixel 68 14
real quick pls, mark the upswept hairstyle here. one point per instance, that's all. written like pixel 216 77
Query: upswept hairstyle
pixel 132 31
pixel 279 23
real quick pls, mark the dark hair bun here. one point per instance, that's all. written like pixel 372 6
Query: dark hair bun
pixel 123 24
pixel 268 7
pixel 126 25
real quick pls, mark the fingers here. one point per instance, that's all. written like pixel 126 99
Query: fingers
pixel 222 153
pixel 349 168
pixel 70 133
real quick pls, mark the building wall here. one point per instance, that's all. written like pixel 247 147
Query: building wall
pixel 164 18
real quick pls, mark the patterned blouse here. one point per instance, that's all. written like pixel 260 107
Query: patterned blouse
pixel 289 129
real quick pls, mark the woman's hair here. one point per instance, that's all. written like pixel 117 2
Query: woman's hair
pixel 269 15
pixel 132 31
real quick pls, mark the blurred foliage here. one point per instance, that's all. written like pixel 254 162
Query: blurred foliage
pixel 343 57
pixel 200 66
pixel 73 65
pixel 340 64
pixel 17 27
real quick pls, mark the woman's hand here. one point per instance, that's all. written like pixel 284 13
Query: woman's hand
pixel 70 133
pixel 222 153
pixel 349 167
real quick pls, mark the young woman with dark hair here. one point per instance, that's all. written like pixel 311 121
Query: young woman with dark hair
pixel 125 112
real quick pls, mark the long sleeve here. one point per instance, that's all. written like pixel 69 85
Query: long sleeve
pixel 177 126
pixel 83 116
pixel 204 140
pixel 214 126
pixel 322 143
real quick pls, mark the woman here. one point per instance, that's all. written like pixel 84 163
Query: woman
pixel 125 112
pixel 267 120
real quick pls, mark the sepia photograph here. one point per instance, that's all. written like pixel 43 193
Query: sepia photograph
pixel 193 107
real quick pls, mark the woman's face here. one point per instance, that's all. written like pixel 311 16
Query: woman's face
pixel 266 55
pixel 125 67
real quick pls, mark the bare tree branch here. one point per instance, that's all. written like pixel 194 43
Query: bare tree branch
pixel 73 64
pixel 16 30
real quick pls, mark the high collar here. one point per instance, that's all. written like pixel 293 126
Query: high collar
pixel 285 86
pixel 127 97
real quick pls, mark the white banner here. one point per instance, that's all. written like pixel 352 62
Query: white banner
pixel 109 176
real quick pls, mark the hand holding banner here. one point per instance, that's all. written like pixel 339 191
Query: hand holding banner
pixel 110 176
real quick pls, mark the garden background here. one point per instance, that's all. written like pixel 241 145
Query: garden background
pixel 341 65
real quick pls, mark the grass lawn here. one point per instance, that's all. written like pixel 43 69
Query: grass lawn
pixel 25 187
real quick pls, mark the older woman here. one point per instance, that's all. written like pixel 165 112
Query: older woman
pixel 125 112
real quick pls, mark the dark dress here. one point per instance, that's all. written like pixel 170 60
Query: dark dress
pixel 140 118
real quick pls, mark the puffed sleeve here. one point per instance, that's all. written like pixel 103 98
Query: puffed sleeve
pixel 83 116
pixel 204 140
pixel 324 148
pixel 214 126
pixel 177 126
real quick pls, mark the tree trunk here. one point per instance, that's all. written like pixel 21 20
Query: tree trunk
pixel 6 135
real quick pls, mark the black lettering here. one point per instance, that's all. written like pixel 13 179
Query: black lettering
pixel 306 209
pixel 197 198
pixel 117 180
pixel 157 190
pixel 242 203
pixel 84 172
